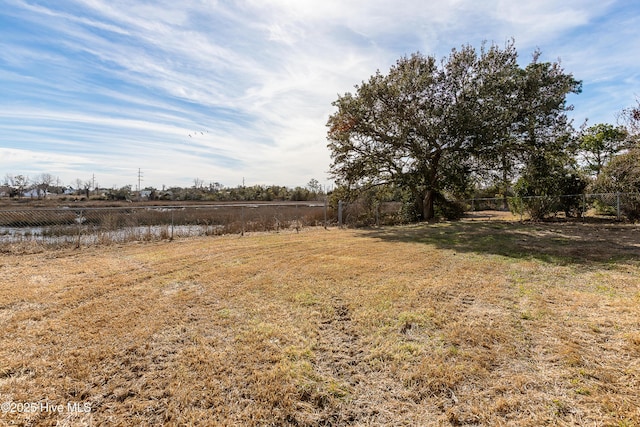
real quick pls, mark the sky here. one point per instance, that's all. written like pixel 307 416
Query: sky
pixel 240 91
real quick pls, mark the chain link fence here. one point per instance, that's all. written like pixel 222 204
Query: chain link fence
pixel 613 206
pixel 619 206
pixel 363 214
pixel 90 225
pixel 81 226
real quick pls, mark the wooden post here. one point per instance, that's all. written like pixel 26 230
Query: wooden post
pixel 79 220
pixel 242 217
pixel 325 212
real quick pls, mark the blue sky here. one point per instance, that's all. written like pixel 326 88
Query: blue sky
pixel 224 90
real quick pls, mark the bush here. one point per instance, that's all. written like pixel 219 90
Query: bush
pixel 622 175
pixel 603 208
pixel 409 212
pixel 516 205
pixel 572 186
pixel 449 209
pixel 543 183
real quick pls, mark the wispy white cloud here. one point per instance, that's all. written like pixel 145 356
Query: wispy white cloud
pixel 122 84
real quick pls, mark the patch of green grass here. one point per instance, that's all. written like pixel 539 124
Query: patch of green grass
pixel 305 298
pixel 604 289
pixel 527 315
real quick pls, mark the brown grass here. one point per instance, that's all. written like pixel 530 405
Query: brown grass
pixel 469 323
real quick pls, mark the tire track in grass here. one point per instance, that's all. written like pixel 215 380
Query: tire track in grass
pixel 337 362
pixel 338 354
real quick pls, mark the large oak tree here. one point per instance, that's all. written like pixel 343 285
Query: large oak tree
pixel 426 125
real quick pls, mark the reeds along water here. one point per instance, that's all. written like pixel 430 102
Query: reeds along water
pixel 83 226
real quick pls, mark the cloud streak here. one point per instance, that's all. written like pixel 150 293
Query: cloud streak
pixel 107 87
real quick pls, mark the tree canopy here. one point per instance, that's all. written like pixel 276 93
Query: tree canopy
pixel 427 126
pixel 599 143
pixel 622 175
pixel 631 118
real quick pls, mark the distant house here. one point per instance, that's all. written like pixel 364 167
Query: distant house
pixel 69 191
pixel 35 193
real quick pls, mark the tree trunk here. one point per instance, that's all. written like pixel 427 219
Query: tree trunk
pixel 419 206
pixel 428 212
pixel 430 195
pixel 505 183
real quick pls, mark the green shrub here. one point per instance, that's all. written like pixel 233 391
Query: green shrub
pixel 622 175
pixel 449 209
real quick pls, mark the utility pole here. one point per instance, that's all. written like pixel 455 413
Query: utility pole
pixel 139 179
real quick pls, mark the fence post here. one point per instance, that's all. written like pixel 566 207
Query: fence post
pixel 377 213
pixel 242 217
pixel 325 212
pixel 171 225
pixel 79 221
pixel 618 206
pixel 340 213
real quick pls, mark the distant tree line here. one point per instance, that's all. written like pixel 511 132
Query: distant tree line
pixel 216 192
pixel 45 186
pixel 431 133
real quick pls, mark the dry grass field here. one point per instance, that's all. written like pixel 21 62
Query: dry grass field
pixel 467 323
